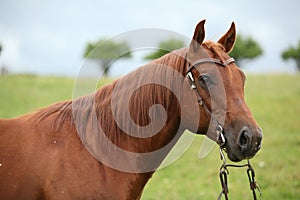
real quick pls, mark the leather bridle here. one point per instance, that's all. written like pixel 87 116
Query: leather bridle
pixel 210 60
pixel 220 139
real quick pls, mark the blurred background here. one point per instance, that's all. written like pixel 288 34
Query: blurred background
pixel 44 44
pixel 50 37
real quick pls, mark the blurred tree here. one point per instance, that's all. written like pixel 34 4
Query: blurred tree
pixel 3 69
pixel 245 48
pixel 292 53
pixel 164 48
pixel 105 51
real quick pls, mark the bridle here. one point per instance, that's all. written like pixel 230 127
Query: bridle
pixel 224 172
pixel 220 138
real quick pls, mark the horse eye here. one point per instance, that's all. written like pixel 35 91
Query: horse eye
pixel 205 80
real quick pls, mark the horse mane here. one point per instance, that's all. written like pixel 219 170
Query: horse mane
pixel 141 100
pixel 57 114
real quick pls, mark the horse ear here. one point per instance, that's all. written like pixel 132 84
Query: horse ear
pixel 199 35
pixel 228 39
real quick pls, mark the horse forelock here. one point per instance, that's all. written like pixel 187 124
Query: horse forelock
pixel 215 50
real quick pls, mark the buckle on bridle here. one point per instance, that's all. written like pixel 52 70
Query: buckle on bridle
pixel 191 80
pixel 220 136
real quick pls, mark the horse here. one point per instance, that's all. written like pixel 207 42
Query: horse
pixel 108 144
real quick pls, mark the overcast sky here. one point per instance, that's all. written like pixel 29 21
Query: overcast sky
pixel 49 37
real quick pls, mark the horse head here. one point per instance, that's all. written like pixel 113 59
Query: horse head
pixel 218 85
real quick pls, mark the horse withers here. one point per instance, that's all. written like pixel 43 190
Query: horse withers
pixel 107 145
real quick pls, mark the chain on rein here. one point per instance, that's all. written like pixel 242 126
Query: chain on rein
pixel 224 171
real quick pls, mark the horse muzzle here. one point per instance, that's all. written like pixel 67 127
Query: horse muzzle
pixel 245 145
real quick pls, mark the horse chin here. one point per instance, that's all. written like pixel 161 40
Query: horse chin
pixel 238 156
pixel 234 158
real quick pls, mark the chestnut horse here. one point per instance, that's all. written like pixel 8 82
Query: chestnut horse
pixel 108 144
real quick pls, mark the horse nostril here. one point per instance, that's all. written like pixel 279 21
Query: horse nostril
pixel 258 143
pixel 244 140
pixel 258 147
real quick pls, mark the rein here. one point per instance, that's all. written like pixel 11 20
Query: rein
pixel 224 172
pixel 220 138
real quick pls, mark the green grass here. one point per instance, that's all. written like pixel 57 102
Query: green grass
pixel 274 101
pixel 22 94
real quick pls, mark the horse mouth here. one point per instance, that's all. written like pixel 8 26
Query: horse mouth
pixel 234 155
pixel 243 147
pixel 237 156
pixel 234 158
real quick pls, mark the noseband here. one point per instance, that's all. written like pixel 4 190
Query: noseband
pixel 220 139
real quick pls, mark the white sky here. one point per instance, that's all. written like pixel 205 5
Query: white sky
pixel 49 36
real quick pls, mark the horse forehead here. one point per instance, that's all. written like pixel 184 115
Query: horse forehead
pixel 215 50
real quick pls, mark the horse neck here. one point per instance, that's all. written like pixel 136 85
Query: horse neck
pixel 141 111
pixel 133 123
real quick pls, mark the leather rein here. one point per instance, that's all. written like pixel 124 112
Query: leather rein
pixel 220 138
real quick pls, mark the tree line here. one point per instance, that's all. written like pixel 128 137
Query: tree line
pixel 245 49
pixel 106 51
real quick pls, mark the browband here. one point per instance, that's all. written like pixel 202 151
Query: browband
pixel 210 60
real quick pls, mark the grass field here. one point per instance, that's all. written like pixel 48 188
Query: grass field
pixel 274 101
